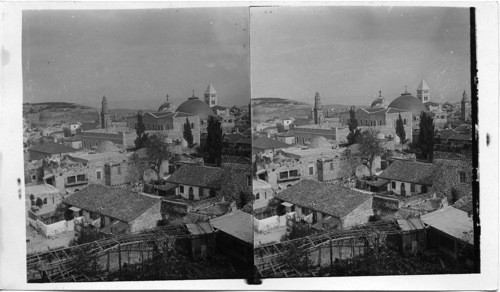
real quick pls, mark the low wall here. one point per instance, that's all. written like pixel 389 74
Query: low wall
pixel 52 229
pixel 272 222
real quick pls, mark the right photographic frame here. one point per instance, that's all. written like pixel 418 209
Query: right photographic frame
pixel 364 124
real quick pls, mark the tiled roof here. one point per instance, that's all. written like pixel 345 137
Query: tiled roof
pixel 410 171
pixel 328 198
pixel 114 202
pixel 237 138
pixel 268 143
pixel 197 175
pixel 451 221
pixel 53 148
pixel 238 224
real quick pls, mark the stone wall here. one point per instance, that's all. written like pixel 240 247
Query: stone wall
pixel 237 178
pixel 359 215
pixel 147 219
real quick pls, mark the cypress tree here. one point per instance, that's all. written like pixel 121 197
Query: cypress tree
pixel 188 134
pixel 426 136
pixel 400 129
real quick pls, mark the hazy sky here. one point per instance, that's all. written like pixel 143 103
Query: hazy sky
pixel 136 57
pixel 349 54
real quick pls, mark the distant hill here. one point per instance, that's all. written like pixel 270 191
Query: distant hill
pixel 276 100
pixel 55 106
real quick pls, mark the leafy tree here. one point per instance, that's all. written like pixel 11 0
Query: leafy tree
pixel 370 147
pixel 87 234
pixel 140 129
pixel 348 164
pixel 39 203
pixel 214 140
pixel 426 136
pixel 400 130
pixel 298 230
pixel 188 134
pixel 353 127
pixel 67 132
pixel 158 151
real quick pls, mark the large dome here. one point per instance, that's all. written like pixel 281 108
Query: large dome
pixel 166 106
pixel 197 107
pixel 319 141
pixel 409 103
pixel 107 146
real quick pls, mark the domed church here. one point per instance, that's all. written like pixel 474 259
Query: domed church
pixel 409 103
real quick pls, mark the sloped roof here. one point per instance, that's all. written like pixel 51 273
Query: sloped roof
pixel 265 143
pixel 328 198
pixel 451 221
pixel 410 171
pixel 53 148
pixel 423 85
pixel 113 202
pixel 218 107
pixel 198 175
pixel 464 204
pixel 210 89
pixel 237 138
pixel 238 224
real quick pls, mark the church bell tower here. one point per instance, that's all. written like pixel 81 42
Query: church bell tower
pixel 423 92
pixel 210 96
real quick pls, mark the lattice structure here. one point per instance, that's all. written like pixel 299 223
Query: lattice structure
pixel 54 265
pixel 271 260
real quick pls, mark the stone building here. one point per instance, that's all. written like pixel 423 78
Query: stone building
pixel 50 150
pixel 91 139
pixel 328 205
pixel 409 178
pixel 196 182
pixel 382 120
pixel 423 92
pixel 210 96
pixel 169 123
pixel 105 117
pixel 108 207
pixel 237 178
pixel 199 108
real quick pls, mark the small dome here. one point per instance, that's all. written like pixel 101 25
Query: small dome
pixel 197 107
pixel 409 103
pixel 380 102
pixel 45 116
pixel 166 106
pixel 319 141
pixel 107 146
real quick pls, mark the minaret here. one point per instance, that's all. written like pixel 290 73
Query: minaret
pixel 318 110
pixel 105 117
pixel 423 92
pixel 210 96
pixel 463 107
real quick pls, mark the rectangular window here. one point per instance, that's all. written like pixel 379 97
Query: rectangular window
pixel 249 181
pixel 283 175
pixel 311 170
pixel 331 165
pixel 462 176
pixel 181 189
pixel 119 170
pixel 294 173
pixel 394 185
pixel 71 179
pixel 98 174
pixel 80 177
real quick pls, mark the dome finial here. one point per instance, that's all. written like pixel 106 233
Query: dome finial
pixel 167 97
pixel 193 92
pixel 406 89
pixel 380 93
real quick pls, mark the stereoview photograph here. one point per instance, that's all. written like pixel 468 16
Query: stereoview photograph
pixel 137 144
pixel 362 137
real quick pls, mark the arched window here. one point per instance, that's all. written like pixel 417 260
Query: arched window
pixel 404 122
pixel 257 196
pixel 192 125
pixel 45 201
